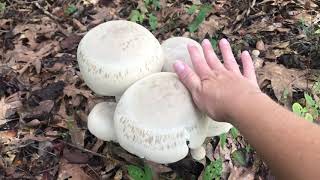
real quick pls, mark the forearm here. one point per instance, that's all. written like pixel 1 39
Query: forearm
pixel 289 144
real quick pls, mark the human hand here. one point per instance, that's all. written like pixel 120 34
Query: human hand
pixel 216 88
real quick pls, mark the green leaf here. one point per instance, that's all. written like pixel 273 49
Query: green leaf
pixel 234 132
pixel 214 43
pixel 239 157
pixel 148 172
pixel 192 9
pixel 2 7
pixel 308 117
pixel 153 21
pixel 70 10
pixel 297 109
pixel 317 31
pixel 223 139
pixel 213 170
pixel 309 100
pixel 136 173
pixel 204 10
pixel 136 16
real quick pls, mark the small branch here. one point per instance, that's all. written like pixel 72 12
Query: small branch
pixel 46 12
pixel 83 149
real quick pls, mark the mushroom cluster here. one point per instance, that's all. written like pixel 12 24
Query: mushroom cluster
pixel 154 116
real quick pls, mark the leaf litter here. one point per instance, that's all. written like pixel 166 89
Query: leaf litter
pixel 45 103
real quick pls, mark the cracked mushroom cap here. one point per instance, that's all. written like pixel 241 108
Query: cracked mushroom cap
pixel 115 54
pixel 174 49
pixel 157 120
pixel 100 121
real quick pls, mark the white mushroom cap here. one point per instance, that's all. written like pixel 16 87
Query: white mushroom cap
pixel 198 153
pixel 100 121
pixel 155 118
pixel 174 49
pixel 115 54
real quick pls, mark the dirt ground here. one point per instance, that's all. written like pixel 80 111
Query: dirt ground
pixel 45 103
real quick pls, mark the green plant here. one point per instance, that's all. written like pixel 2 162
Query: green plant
pixel 136 16
pixel 204 10
pixel 317 30
pixel 154 3
pixel 213 170
pixel 239 157
pixel 2 7
pixel 140 14
pixel 70 10
pixel 234 133
pixel 136 173
pixel 192 9
pixel 223 139
pixel 153 21
pixel 310 112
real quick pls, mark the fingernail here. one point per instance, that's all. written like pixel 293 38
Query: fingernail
pixel 191 46
pixel 246 53
pixel 206 42
pixel 224 41
pixel 179 67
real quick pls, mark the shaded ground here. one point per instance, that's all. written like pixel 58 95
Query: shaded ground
pixel 44 102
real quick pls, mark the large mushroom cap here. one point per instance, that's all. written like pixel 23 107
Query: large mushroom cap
pixel 174 49
pixel 115 54
pixel 100 121
pixel 156 117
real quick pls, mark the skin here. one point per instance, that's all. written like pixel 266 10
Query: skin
pixel 289 144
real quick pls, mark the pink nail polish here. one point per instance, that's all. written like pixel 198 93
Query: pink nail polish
pixel 179 67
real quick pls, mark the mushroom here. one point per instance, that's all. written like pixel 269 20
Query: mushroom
pixel 156 119
pixel 115 54
pixel 100 121
pixel 174 49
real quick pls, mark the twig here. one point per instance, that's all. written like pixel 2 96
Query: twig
pixel 49 169
pixel 46 12
pixel 82 149
pixel 92 170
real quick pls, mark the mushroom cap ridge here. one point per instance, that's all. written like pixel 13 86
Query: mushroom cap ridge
pixel 156 117
pixel 115 54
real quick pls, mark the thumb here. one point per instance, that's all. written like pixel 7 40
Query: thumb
pixel 188 77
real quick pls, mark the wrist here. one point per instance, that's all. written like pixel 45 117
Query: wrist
pixel 246 104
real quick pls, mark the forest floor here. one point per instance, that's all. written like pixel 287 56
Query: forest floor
pixel 44 103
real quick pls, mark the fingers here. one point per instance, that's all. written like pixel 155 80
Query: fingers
pixel 199 64
pixel 230 62
pixel 211 56
pixel 188 77
pixel 248 68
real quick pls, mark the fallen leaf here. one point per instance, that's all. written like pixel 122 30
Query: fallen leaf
pixel 3 109
pixel 241 174
pixel 71 171
pixel 283 79
pixel 75 156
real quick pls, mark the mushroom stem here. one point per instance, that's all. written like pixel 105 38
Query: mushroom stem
pixel 198 153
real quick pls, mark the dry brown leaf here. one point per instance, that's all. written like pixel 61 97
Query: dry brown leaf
pixel 72 91
pixel 241 174
pixel 71 171
pixel 3 109
pixel 211 26
pixel 283 79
